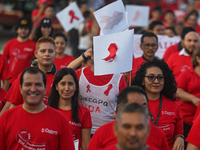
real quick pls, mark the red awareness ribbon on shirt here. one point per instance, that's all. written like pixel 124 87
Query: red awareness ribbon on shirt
pixel 88 88
pixel 106 92
pixel 112 49
pixel 72 14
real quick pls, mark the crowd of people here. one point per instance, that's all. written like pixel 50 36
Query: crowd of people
pixel 51 100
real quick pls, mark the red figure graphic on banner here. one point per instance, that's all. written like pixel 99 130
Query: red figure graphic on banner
pixel 137 15
pixel 112 49
pixel 72 14
pixel 113 20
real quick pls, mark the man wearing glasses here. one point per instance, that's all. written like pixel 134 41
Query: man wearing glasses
pixel 149 46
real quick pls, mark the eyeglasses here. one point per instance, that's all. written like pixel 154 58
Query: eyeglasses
pixel 152 78
pixel 150 45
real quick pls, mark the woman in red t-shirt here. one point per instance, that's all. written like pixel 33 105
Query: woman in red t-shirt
pixel 62 60
pixel 156 78
pixel 64 97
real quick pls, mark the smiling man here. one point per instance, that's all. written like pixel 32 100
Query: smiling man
pixel 30 126
pixel 45 54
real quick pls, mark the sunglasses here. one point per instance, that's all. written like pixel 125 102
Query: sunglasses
pixel 152 78
pixel 34 63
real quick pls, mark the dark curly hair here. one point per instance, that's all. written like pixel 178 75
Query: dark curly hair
pixel 169 89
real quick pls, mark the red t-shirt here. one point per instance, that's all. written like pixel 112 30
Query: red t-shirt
pixel 169 51
pixel 99 80
pixel 4 69
pixel 194 134
pixel 189 82
pixel 85 122
pixel 34 13
pixel 178 63
pixel 2 95
pixel 63 62
pixel 113 147
pixel 170 120
pixel 104 137
pixel 48 129
pixel 19 54
pixel 137 62
pixel 14 95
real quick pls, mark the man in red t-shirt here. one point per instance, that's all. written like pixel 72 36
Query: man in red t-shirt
pixel 131 128
pixel 149 46
pixel 18 128
pixel 45 54
pixel 180 61
pixel 19 51
pixel 105 137
pixel 177 47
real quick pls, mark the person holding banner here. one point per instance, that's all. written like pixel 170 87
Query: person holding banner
pixel 156 78
pixel 97 93
pixel 149 46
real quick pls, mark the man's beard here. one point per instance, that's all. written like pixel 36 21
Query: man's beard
pixel 188 51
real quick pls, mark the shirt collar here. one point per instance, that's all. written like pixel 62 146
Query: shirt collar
pixel 183 52
pixel 53 70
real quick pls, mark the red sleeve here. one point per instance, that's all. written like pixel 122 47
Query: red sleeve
pixel 2 100
pixel 122 84
pixel 182 80
pixel 170 61
pixel 178 127
pixel 5 70
pixel 78 73
pixel 2 131
pixel 6 50
pixel 14 95
pixel 65 138
pixel 34 13
pixel 87 122
pixel 167 53
pixel 96 141
pixel 194 134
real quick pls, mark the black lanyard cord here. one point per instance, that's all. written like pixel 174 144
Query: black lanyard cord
pixel 160 106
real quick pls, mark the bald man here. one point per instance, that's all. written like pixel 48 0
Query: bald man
pixel 180 61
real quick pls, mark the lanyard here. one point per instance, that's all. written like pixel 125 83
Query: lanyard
pixel 160 106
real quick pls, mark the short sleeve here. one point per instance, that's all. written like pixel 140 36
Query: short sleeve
pixel 87 123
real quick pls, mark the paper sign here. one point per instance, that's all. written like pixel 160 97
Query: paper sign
pixel 138 15
pixel 70 16
pixel 113 53
pixel 112 18
pixel 163 43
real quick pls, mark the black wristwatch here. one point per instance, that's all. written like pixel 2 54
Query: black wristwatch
pixel 83 55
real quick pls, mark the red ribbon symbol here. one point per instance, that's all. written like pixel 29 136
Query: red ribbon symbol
pixel 88 88
pixel 72 14
pixel 106 92
pixel 112 49
pixel 137 15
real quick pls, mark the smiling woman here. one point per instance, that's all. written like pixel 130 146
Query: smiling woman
pixel 157 80
pixel 64 97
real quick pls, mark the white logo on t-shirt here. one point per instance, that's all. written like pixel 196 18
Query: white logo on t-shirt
pixel 46 130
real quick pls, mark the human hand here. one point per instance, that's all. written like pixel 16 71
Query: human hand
pixel 88 52
pixel 178 144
